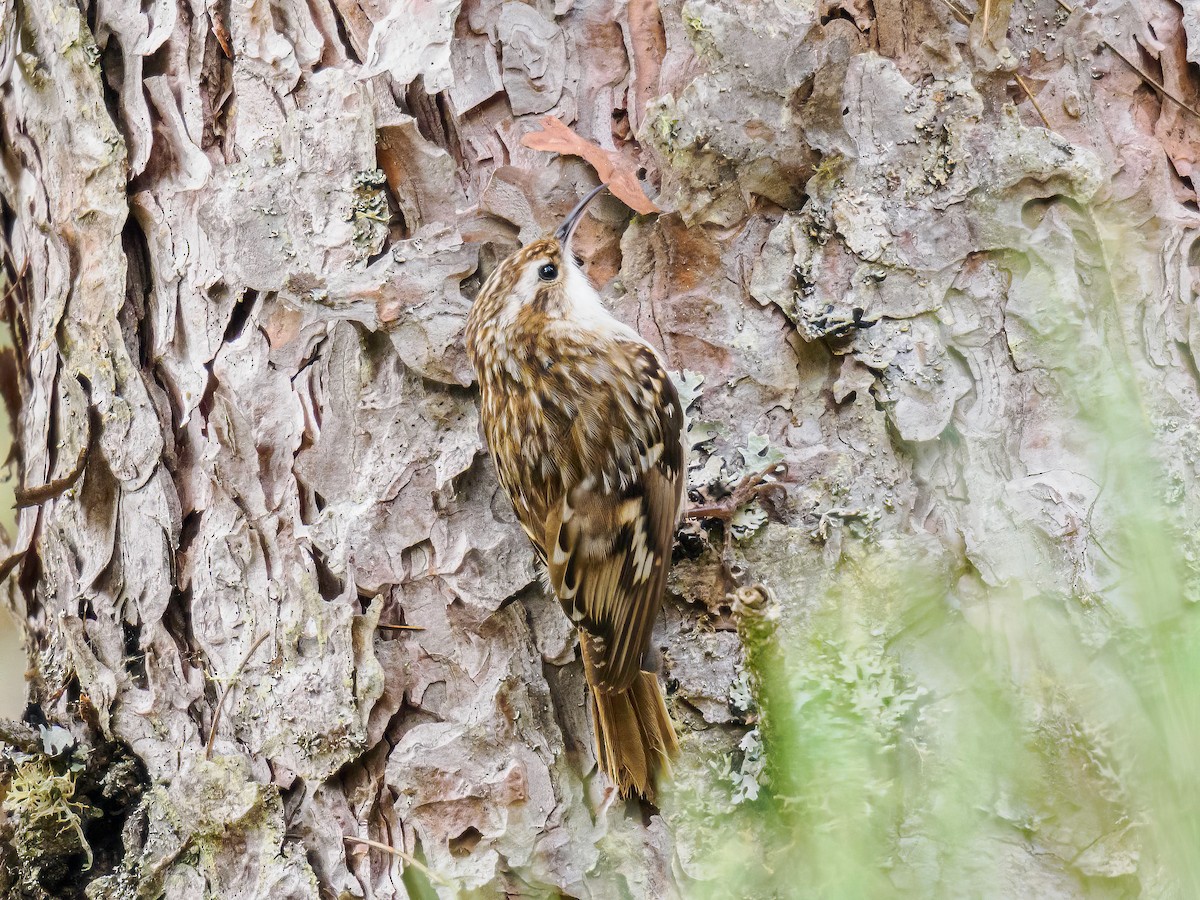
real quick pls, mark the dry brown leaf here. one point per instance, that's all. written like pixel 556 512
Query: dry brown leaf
pixel 613 171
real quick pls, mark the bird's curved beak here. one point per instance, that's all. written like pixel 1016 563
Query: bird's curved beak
pixel 567 228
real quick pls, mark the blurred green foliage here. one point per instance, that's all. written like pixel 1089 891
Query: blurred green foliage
pixel 923 733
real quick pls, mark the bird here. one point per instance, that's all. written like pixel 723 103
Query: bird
pixel 586 431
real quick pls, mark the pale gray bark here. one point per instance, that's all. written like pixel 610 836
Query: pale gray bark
pixel 251 232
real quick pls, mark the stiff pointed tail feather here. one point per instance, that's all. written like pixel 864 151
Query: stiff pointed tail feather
pixel 635 739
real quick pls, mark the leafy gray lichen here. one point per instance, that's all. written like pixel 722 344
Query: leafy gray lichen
pixel 369 211
pixel 747 778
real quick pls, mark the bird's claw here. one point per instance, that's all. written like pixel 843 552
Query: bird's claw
pixel 749 489
pixel 830 325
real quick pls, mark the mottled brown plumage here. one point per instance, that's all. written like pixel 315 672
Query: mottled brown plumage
pixel 585 428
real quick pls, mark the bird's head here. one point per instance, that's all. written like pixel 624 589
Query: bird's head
pixel 542 278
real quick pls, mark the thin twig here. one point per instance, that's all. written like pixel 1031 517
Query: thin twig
pixel 36 495
pixel 1032 99
pixel 987 16
pixel 401 627
pixel 17 277
pixel 212 732
pixel 1143 75
pixel 11 562
pixel 407 857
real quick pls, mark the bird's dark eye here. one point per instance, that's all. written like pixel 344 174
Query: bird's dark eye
pixel 548 272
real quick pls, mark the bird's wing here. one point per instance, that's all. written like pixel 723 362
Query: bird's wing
pixel 609 536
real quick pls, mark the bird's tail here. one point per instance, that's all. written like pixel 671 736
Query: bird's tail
pixel 635 739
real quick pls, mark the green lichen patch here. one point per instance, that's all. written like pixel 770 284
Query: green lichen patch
pixel 47 820
pixel 214 820
pixel 64 809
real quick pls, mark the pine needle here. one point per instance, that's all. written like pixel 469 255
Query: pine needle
pixel 407 857
pixel 1146 77
pixel 958 13
pixel 212 732
pixel 1032 99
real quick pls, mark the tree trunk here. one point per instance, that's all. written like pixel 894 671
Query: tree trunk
pixel 244 237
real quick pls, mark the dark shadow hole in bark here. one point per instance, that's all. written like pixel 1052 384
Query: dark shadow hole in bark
pixel 158 63
pixel 188 530
pixel 1189 360
pixel 1194 257
pixel 205 406
pixel 178 622
pixel 29 575
pixel 467 841
pixel 10 391
pixel 839 13
pixel 112 67
pixel 690 540
pixel 435 118
pixel 135 658
pixel 408 717
pixel 393 162
pixel 112 784
pixel 383 251
pixel 56 874
pixel 801 94
pixel 1035 211
pixel 330 585
pixel 644 811
pixel 344 35
pixel 398 229
pixel 672 686
pixel 17 280
pixel 240 315
pixel 137 288
pixel 391 614
pixel 217 95
pixel 1151 65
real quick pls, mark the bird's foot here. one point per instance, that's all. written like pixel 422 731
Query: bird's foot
pixel 746 491
pixel 752 487
pixel 831 325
